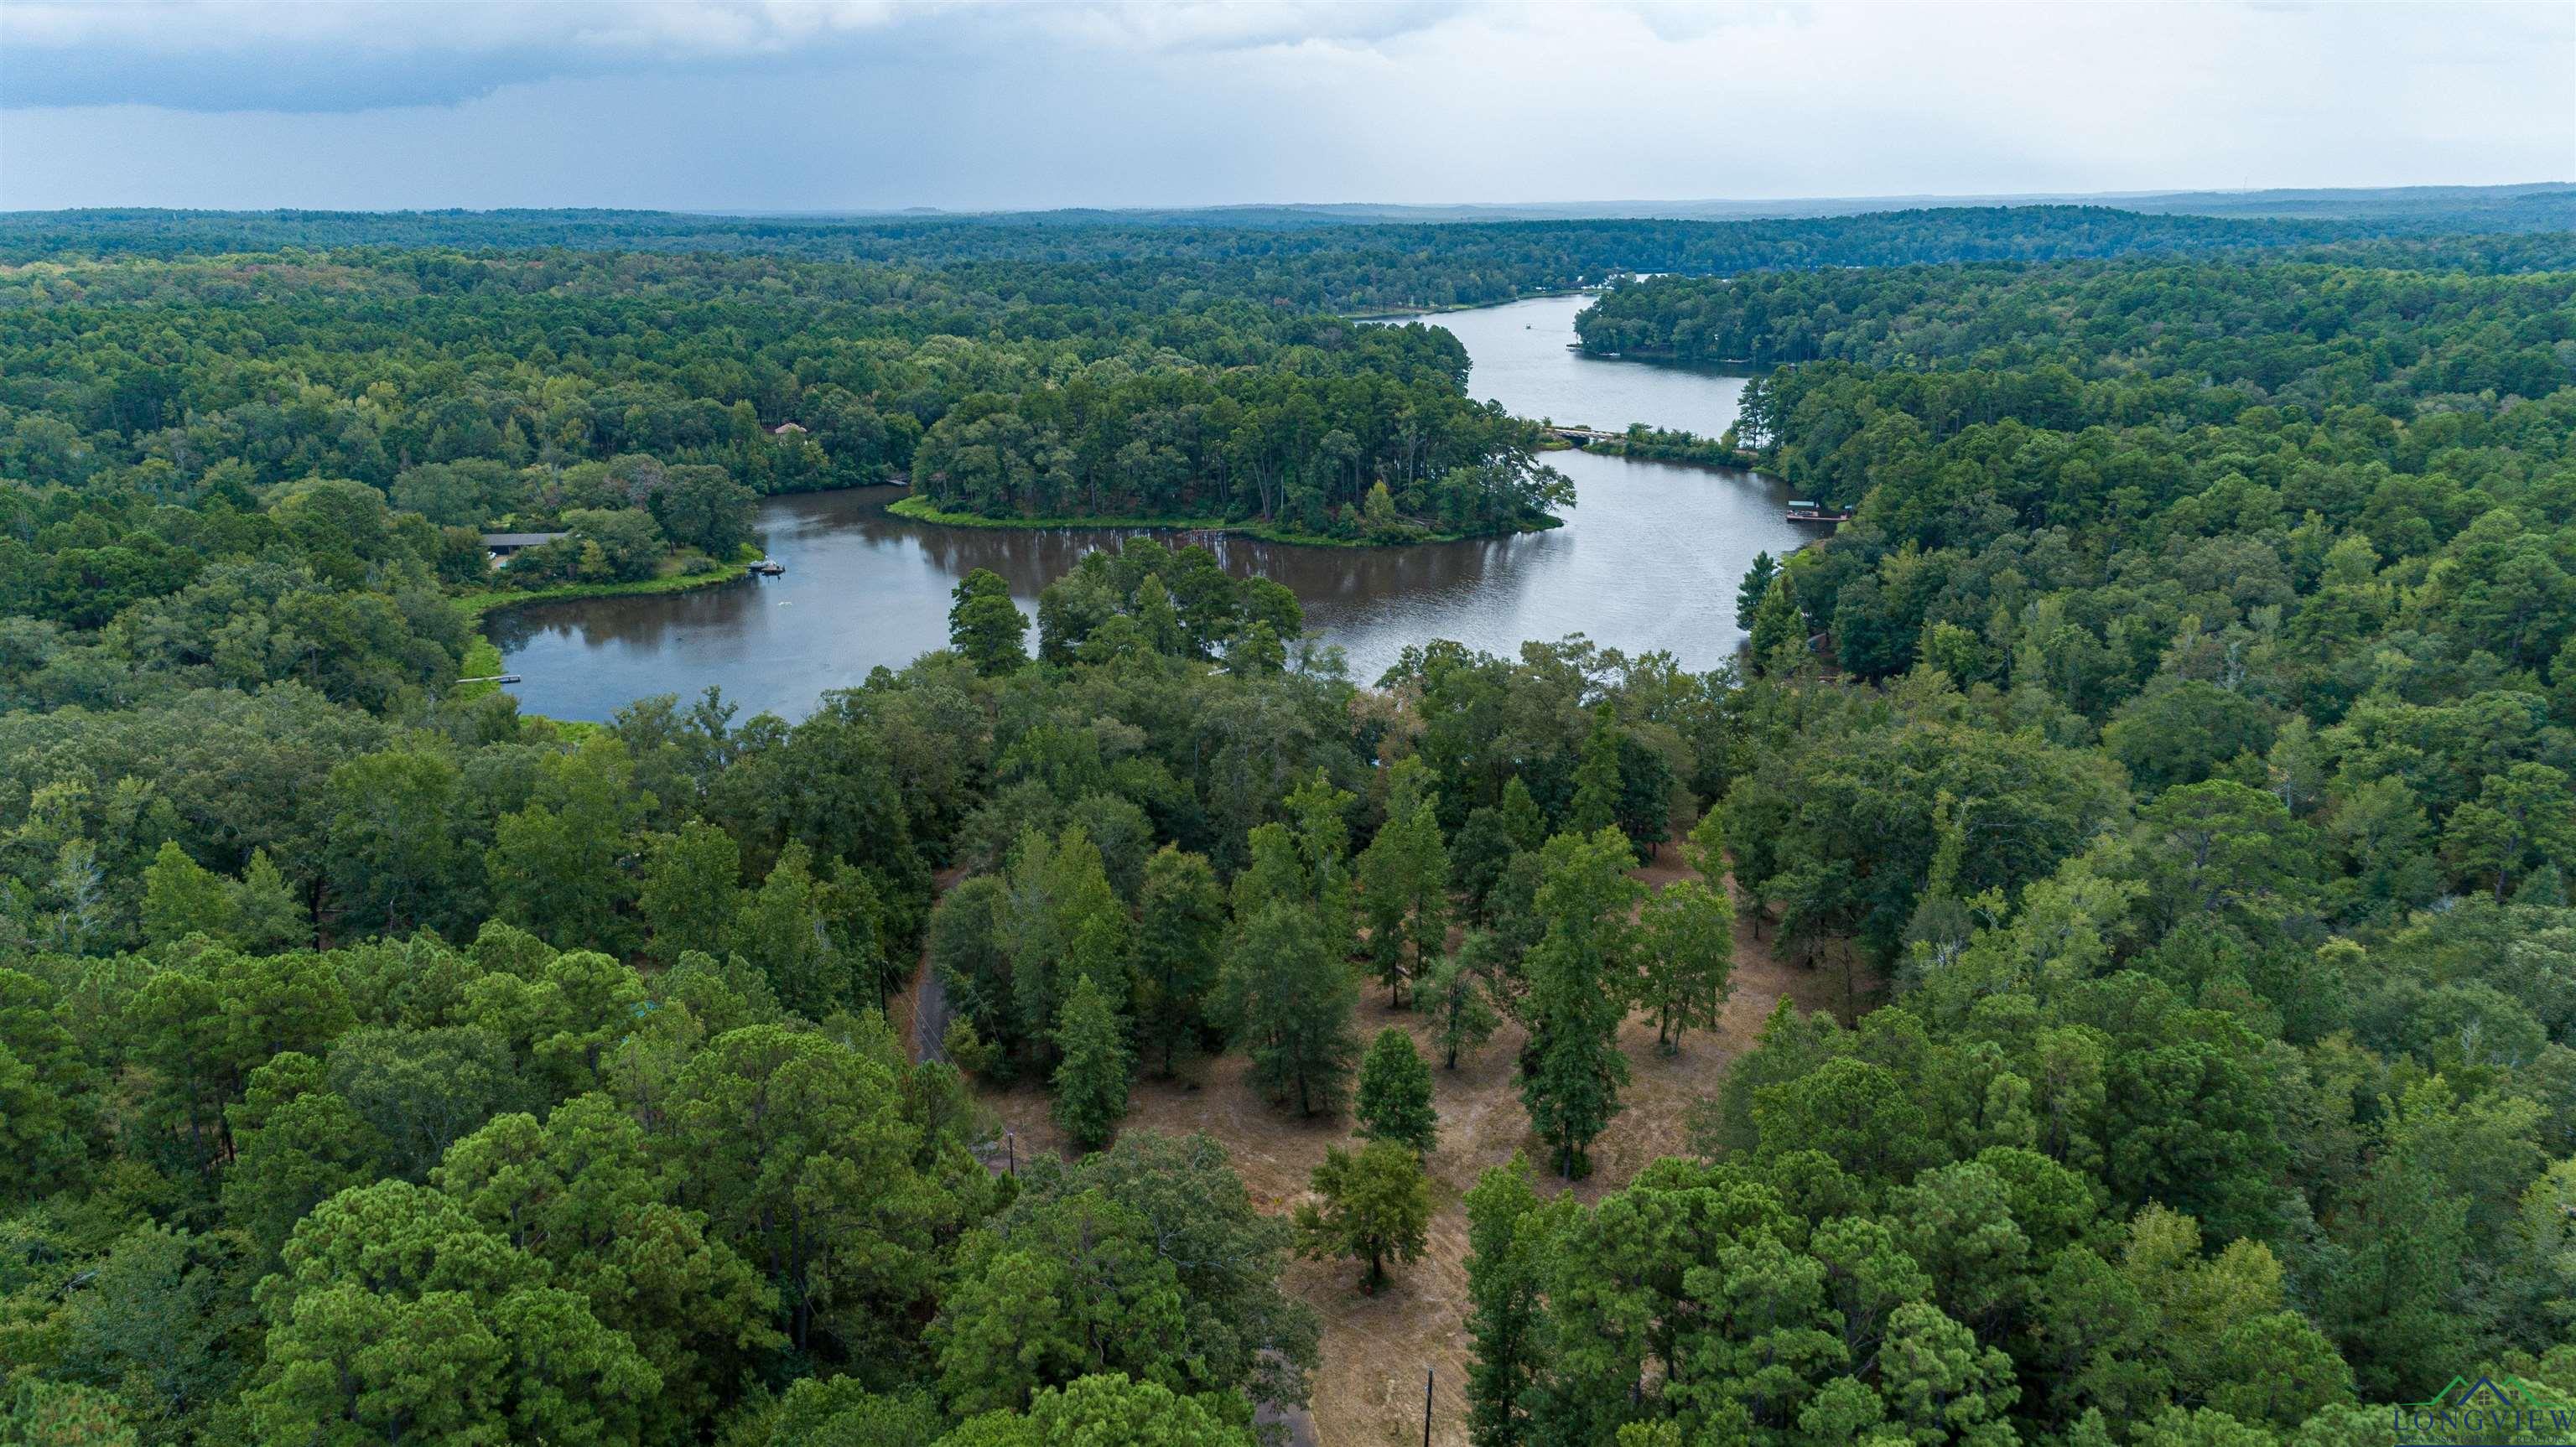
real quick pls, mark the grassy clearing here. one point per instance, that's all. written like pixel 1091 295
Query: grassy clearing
pixel 1368 1388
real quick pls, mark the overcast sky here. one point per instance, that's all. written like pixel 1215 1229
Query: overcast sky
pixel 841 104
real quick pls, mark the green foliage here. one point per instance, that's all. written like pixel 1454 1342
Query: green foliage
pixel 1571 1070
pixel 1687 954
pixel 2179 780
pixel 985 625
pixel 1394 1102
pixel 1404 881
pixel 1508 1234
pixel 1106 1410
pixel 1245 1332
pixel 1290 1002
pixel 1091 1074
pixel 1372 1206
pixel 1459 998
pixel 1180 937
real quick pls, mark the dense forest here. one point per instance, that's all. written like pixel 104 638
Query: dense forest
pixel 1284 257
pixel 2171 761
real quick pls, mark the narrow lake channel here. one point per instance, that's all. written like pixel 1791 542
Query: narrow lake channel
pixel 1649 558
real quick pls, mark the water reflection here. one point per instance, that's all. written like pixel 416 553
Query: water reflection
pixel 1649 559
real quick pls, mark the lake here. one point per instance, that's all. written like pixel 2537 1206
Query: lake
pixel 1649 558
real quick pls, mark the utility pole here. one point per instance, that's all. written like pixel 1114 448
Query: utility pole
pixel 1427 1374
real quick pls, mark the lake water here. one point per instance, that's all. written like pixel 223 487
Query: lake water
pixel 1649 558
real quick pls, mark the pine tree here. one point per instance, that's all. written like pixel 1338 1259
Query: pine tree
pixel 1571 1069
pixel 1091 1082
pixel 1506 1311
pixel 1179 938
pixel 1395 1093
pixel 1375 1205
pixel 985 625
pixel 267 912
pixel 1065 922
pixel 1160 621
pixel 1779 630
pixel 1755 587
pixel 1290 1001
pixel 1523 820
pixel 1596 778
pixel 780 930
pixel 1404 881
pixel 691 891
pixel 181 896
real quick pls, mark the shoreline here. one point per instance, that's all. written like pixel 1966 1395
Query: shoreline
pixel 479 606
pixel 921 510
pixel 483 657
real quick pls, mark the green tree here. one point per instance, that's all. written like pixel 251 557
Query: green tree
pixel 555 866
pixel 1779 630
pixel 182 897
pixel 2523 818
pixel 780 928
pixel 268 913
pixel 985 625
pixel 1291 1003
pixel 581 1191
pixel 691 894
pixel 393 857
pixel 1460 999
pixel 1755 587
pixel 397 1315
pixel 1571 1070
pixel 1107 1410
pixel 1246 1332
pixel 968 949
pixel 797 1150
pixel 1596 778
pixel 1180 936
pixel 1394 1101
pixel 1091 1079
pixel 1371 1207
pixel 1686 949
pixel 1507 1260
pixel 705 508
pixel 1073 1289
pixel 1404 881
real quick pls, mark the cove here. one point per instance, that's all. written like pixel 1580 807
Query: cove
pixel 1648 559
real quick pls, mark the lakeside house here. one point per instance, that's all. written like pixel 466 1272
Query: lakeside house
pixel 502 545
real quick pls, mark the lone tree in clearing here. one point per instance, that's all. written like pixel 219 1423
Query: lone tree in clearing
pixel 1374 1205
pixel 1395 1093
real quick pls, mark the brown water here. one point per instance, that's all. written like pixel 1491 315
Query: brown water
pixel 1648 559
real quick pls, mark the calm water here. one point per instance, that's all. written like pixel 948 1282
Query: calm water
pixel 1650 558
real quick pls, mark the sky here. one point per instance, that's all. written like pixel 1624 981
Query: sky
pixel 824 105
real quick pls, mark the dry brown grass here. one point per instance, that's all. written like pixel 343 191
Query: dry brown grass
pixel 1368 1388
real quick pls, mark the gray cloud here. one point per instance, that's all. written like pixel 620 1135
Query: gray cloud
pixel 820 106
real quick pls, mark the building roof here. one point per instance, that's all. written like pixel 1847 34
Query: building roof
pixel 520 540
pixel 783 428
